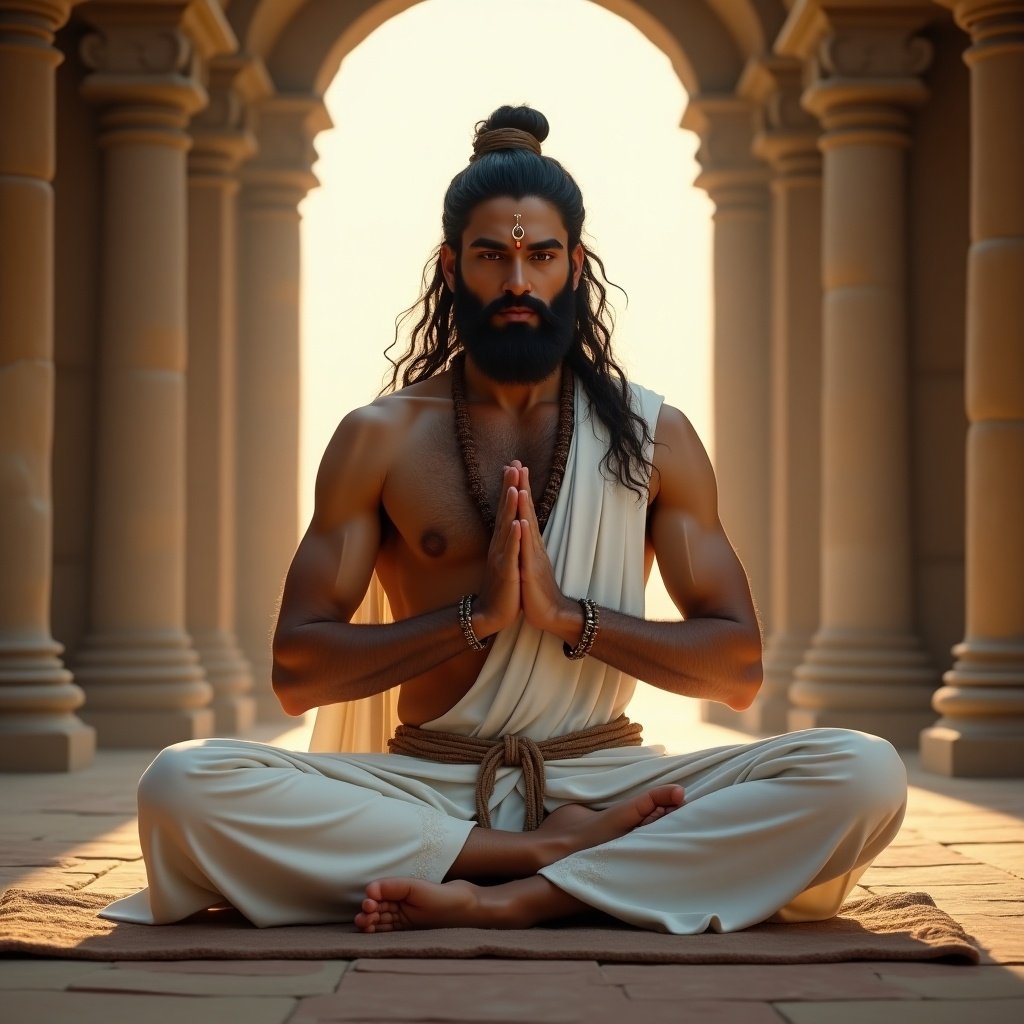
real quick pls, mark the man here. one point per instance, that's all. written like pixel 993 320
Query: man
pixel 511 498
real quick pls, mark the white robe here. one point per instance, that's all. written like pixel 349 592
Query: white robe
pixel 776 828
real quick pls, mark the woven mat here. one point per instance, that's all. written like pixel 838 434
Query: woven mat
pixel 61 923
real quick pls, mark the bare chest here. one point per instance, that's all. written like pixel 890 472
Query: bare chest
pixel 431 519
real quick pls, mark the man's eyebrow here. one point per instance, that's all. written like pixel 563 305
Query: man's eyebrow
pixel 490 243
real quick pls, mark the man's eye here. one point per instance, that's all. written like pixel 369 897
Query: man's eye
pixel 490 256
pixel 543 257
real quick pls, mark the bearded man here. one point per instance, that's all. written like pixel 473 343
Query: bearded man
pixel 510 497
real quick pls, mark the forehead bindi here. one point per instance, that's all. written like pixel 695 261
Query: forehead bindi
pixel 495 218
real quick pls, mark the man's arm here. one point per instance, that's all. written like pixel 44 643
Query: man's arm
pixel 715 652
pixel 320 657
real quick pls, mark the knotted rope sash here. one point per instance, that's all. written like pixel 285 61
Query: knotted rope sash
pixel 512 750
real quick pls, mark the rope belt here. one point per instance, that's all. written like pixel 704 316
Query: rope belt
pixel 512 751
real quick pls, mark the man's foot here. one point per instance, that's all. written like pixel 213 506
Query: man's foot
pixel 572 828
pixel 401 904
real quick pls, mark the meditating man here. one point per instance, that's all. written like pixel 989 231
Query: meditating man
pixel 510 494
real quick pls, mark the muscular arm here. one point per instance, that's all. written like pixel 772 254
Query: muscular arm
pixel 715 651
pixel 320 657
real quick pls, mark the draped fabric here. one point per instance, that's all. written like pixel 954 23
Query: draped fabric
pixel 781 827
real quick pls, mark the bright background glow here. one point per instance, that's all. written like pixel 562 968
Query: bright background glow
pixel 404 104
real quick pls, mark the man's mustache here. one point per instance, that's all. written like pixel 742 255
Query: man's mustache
pixel 510 301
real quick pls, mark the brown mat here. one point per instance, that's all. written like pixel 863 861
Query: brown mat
pixel 897 926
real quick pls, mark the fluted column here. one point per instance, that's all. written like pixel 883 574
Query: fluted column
pixel 268 371
pixel 981 731
pixel 788 142
pixel 866 668
pixel 143 681
pixel 221 141
pixel 39 730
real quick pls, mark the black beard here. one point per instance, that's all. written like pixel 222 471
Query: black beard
pixel 515 353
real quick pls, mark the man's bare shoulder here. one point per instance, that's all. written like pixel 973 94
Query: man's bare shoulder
pixel 369 438
pixel 682 469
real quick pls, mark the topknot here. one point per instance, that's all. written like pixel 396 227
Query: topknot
pixel 507 128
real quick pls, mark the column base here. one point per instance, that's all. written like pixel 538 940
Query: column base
pixel 227 671
pixel 126 730
pixel 39 731
pixel 233 716
pixel 900 728
pixel 878 682
pixel 959 753
pixel 762 718
pixel 66 746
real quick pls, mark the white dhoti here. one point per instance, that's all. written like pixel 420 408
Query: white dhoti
pixel 780 828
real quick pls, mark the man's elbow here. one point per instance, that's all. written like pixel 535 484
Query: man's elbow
pixel 747 680
pixel 285 680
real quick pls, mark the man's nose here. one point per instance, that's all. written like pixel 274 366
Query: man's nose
pixel 517 282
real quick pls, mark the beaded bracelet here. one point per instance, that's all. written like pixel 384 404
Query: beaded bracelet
pixel 466 622
pixel 591 624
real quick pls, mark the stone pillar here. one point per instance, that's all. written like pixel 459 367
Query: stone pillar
pixel 737 184
pixel 788 142
pixel 268 371
pixel 143 681
pixel 39 730
pixel 981 731
pixel 221 141
pixel 866 668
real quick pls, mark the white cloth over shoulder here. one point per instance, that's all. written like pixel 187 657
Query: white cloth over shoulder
pixel 595 538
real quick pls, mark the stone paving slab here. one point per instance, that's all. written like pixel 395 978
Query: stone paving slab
pixel 586 969
pixel 465 999
pixel 122 878
pixel 957 900
pixel 127 979
pixel 282 968
pixel 1001 937
pixel 757 983
pixel 923 853
pixel 121 1008
pixel 929 1011
pixel 1008 856
pixel 55 878
pixel 995 982
pixel 49 975
pixel 105 828
pixel 913 876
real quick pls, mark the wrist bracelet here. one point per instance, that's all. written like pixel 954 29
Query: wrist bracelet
pixel 591 624
pixel 466 622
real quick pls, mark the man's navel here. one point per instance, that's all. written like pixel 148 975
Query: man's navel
pixel 433 543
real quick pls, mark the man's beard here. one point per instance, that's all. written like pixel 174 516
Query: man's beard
pixel 516 353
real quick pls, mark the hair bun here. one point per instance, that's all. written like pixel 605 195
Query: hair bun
pixel 519 127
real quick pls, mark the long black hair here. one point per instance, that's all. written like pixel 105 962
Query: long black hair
pixel 517 169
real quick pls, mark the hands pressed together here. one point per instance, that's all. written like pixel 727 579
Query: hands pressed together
pixel 519 576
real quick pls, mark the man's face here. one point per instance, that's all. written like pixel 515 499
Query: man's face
pixel 515 307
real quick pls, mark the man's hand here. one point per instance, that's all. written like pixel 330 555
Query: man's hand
pixel 544 604
pixel 499 601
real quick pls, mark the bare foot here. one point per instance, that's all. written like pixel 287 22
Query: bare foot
pixel 573 827
pixel 399 904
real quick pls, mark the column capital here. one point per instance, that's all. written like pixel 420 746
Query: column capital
pixel 864 65
pixel 730 174
pixel 223 134
pixel 35 18
pixel 152 55
pixel 995 26
pixel 787 137
pixel 281 173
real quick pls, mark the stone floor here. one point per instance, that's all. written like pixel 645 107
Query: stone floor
pixel 963 842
